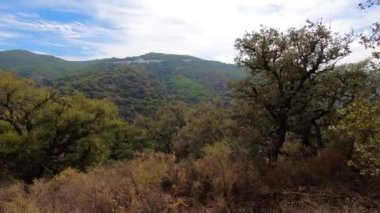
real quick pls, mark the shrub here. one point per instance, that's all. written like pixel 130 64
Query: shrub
pixel 14 198
pixel 223 177
pixel 326 163
pixel 122 187
pixel 292 172
pixel 360 130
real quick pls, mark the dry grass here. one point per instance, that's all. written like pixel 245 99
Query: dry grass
pixel 288 172
pixel 221 181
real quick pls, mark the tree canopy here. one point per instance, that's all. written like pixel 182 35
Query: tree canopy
pixel 47 131
pixel 285 68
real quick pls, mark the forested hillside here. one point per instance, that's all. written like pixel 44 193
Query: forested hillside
pixel 45 66
pixel 136 84
pixel 37 65
pixel 297 132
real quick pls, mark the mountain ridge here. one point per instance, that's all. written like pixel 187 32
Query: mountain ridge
pixel 146 55
pixel 30 64
pixel 136 84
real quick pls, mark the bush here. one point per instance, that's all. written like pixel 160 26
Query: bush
pixel 223 178
pixel 327 163
pixel 122 187
pixel 360 130
pixel 291 172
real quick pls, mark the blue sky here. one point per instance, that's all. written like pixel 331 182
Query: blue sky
pixel 89 29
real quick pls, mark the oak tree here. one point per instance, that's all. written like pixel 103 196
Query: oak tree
pixel 284 69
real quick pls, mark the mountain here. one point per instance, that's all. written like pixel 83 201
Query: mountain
pixel 45 66
pixel 37 65
pixel 136 84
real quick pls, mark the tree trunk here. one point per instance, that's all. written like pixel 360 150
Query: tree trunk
pixel 279 139
pixel 320 142
pixel 17 128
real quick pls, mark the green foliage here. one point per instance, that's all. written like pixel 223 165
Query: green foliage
pixel 189 66
pixel 187 90
pixel 49 132
pixel 177 128
pixel 139 88
pixel 135 87
pixel 43 67
pixel 70 130
pixel 204 124
pixel 125 140
pixel 162 127
pixel 285 68
pixel 135 92
pixel 359 129
pixel 20 101
pixel 186 151
pixel 252 127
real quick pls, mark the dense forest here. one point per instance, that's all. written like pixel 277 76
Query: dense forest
pixel 287 129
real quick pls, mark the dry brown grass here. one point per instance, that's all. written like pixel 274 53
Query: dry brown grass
pixel 123 187
pixel 220 181
pixel 321 168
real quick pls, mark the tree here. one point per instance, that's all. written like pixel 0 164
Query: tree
pixel 46 132
pixel 333 90
pixel 70 132
pixel 205 124
pixel 20 101
pixel 368 3
pixel 126 139
pixel 373 40
pixel 176 128
pixel 162 127
pixel 284 68
pixel 359 130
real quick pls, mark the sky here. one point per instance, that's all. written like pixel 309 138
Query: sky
pixel 93 29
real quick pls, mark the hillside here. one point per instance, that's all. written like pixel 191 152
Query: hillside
pixel 46 66
pixel 37 65
pixel 139 84
pixel 132 91
pixel 136 84
pixel 296 132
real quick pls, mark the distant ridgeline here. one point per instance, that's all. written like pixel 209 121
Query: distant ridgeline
pixel 138 61
pixel 136 84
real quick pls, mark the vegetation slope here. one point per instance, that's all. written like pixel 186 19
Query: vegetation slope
pixel 298 133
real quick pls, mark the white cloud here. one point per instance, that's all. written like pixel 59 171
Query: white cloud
pixel 204 28
pixel 56 34
pixel 7 35
pixel 73 30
